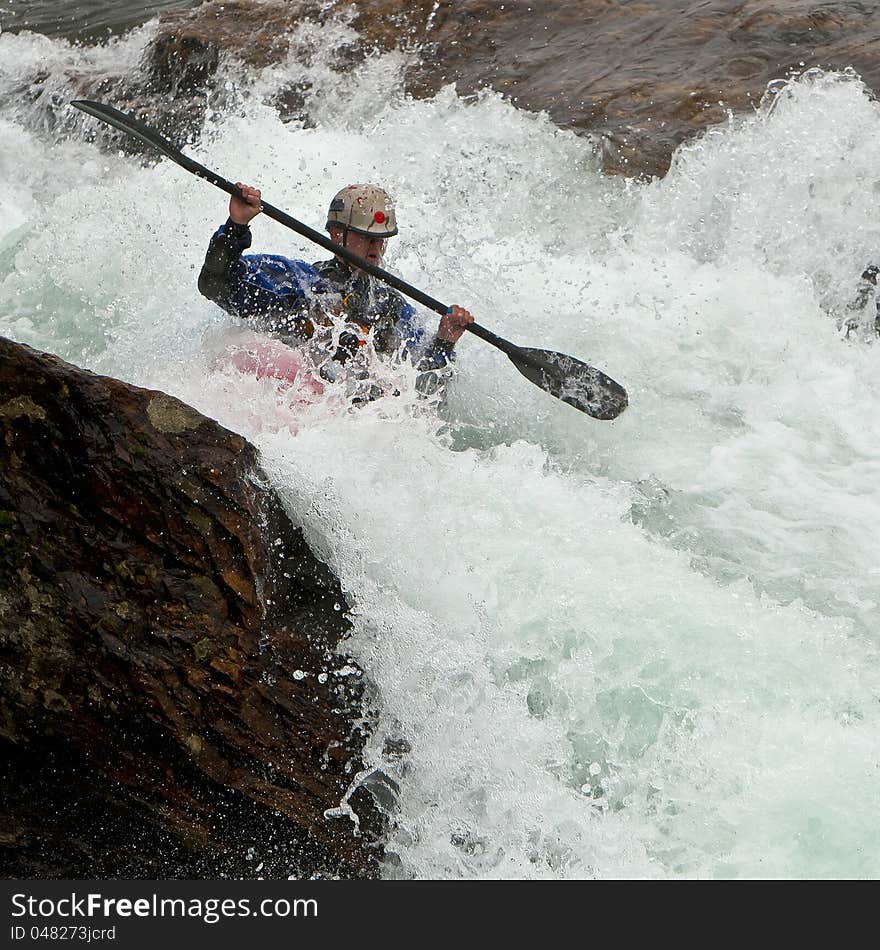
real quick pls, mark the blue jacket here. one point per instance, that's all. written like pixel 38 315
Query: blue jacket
pixel 287 298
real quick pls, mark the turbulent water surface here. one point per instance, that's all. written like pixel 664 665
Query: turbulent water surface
pixel 642 648
pixel 81 19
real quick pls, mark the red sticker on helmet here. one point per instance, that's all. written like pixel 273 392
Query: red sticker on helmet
pixel 379 217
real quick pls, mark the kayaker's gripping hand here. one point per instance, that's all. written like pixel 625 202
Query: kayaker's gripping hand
pixel 453 324
pixel 240 211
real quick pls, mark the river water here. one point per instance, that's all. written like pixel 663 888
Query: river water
pixel 646 648
pixel 82 20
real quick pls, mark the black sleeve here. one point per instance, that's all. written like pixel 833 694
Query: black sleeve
pixel 222 281
pixel 219 277
pixel 438 354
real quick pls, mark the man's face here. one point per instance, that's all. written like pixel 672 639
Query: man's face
pixel 371 249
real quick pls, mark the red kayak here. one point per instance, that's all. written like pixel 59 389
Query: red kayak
pixel 262 357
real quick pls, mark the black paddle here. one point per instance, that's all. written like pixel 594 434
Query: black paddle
pixel 564 377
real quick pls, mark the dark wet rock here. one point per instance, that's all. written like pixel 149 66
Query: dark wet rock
pixel 376 801
pixel 163 627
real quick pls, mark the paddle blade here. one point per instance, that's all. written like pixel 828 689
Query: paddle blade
pixel 584 387
pixel 130 125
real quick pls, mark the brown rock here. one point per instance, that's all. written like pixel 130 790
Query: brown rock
pixel 150 628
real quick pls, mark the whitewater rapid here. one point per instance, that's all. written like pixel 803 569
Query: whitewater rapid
pixel 646 648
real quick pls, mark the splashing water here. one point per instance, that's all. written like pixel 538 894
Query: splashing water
pixel 645 648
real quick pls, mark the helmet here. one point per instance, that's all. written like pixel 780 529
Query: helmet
pixel 364 209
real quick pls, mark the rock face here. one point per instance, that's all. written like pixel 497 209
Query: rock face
pixel 163 627
pixel 642 75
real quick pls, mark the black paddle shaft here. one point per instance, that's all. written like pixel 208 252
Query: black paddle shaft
pixel 568 379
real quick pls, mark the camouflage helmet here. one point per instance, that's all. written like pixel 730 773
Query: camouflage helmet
pixel 364 209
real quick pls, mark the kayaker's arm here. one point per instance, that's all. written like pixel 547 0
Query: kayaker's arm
pixel 435 363
pixel 438 354
pixel 439 351
pixel 219 276
pixel 253 289
pixel 254 292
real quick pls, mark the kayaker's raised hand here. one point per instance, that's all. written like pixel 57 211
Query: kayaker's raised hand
pixel 240 211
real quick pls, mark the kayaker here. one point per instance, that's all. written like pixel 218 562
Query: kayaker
pixel 330 303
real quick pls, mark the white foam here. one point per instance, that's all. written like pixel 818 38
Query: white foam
pixel 644 648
